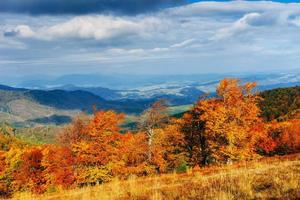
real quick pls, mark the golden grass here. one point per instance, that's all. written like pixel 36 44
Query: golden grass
pixel 276 178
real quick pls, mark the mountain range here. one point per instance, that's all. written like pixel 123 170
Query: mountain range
pixel 57 100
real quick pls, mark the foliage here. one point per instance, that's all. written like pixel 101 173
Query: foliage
pixel 224 128
pixel 93 150
pixel 281 104
pixel 280 138
pixel 58 163
pixel 29 174
pixel 153 118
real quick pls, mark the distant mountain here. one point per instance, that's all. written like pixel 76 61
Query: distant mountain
pixel 57 99
pixel 65 99
pixel 176 94
pixel 102 92
pixel 8 88
pixel 122 86
pixel 31 106
pixel 28 107
pixel 115 81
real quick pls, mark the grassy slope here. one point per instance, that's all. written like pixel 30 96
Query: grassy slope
pixel 174 110
pixel 18 109
pixel 271 178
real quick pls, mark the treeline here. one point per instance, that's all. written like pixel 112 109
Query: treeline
pixel 92 150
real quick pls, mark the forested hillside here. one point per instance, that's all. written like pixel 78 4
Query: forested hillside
pixel 95 149
pixel 281 103
pixel 24 107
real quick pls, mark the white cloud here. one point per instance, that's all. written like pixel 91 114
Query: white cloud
pixel 97 27
pixel 24 31
pixel 234 33
pixel 182 44
pixel 223 18
pixel 237 27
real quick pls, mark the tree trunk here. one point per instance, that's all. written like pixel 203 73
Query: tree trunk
pixel 150 137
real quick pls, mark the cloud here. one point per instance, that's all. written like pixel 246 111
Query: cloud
pixel 224 19
pixel 201 36
pixel 84 6
pixel 22 31
pixel 182 44
pixel 97 27
pixel 239 26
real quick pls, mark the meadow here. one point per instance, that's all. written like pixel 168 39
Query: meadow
pixel 268 178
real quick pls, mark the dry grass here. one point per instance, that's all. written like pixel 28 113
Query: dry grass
pixel 276 178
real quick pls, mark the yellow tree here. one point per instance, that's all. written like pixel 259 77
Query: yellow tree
pixel 58 163
pixel 153 118
pixel 132 153
pixel 224 128
pixel 168 151
pixel 96 149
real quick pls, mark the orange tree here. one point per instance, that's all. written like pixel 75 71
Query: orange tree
pixel 280 138
pixel 224 128
pixel 30 172
pixel 168 151
pixel 97 146
pixel 58 163
pixel 132 153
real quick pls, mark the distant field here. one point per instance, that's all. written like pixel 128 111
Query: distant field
pixel 270 178
pixel 130 121
pixel 174 110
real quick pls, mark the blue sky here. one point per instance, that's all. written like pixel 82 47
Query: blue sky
pixel 164 37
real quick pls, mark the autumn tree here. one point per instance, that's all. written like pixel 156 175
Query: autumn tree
pixel 74 131
pixel 30 173
pixel 154 117
pixel 223 128
pixel 280 138
pixel 168 150
pixel 58 163
pixel 4 186
pixel 233 120
pixel 195 136
pixel 132 154
pixel 96 149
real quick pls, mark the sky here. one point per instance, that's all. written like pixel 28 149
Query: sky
pixel 56 37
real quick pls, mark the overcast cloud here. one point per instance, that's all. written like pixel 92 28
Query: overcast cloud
pixel 204 37
pixel 53 7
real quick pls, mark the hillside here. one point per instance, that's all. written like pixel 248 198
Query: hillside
pixel 26 107
pixel 18 108
pixel 281 103
pixel 214 152
pixel 271 178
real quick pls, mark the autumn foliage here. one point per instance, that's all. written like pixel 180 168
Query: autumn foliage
pixel 92 150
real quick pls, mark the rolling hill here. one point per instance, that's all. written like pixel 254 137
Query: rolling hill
pixel 27 107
